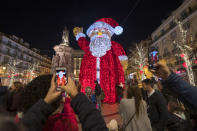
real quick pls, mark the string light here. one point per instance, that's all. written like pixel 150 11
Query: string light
pixel 185 53
pixel 139 59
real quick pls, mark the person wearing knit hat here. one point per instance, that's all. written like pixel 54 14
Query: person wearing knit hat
pixel 104 60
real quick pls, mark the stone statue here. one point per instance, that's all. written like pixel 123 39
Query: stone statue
pixel 55 60
pixel 65 37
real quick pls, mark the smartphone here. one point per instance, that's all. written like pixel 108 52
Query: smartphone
pixel 153 57
pixel 61 77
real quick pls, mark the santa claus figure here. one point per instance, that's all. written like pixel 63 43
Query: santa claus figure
pixel 104 60
pixel 61 79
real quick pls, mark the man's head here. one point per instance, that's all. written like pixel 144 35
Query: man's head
pixel 147 84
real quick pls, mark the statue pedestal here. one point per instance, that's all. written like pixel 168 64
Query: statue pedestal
pixel 63 58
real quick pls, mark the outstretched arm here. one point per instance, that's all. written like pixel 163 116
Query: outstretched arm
pixel 89 116
pixel 80 37
pixel 119 51
pixel 186 92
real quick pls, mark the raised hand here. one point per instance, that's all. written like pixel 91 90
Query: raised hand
pixel 52 94
pixel 77 30
pixel 70 88
pixel 162 70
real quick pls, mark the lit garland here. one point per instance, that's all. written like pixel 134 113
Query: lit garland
pixel 32 69
pixel 185 53
pixel 139 59
pixel 14 72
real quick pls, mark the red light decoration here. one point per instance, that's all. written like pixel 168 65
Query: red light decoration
pixel 141 72
pixel 184 64
pixel 196 61
pixel 9 76
pixel 182 55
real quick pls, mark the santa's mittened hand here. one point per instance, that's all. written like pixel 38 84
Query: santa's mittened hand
pixel 77 30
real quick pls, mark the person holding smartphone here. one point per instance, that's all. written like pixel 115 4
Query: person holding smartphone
pixel 185 91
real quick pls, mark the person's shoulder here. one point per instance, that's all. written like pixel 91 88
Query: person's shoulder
pixel 125 100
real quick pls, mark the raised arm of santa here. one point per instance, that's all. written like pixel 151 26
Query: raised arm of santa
pixel 119 51
pixel 80 37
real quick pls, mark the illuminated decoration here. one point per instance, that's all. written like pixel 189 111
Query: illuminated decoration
pixel 121 58
pixel 80 35
pixel 186 51
pixel 141 72
pixel 196 61
pixel 182 55
pixel 184 65
pixel 31 71
pixel 106 23
pixel 139 60
pixel 101 62
pixel 13 70
pixel 100 45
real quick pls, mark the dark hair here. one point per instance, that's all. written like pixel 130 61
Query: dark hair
pixel 148 82
pixel 135 91
pixel 18 85
pixel 35 90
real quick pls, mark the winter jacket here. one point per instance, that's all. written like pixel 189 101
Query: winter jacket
pixel 34 119
pixel 157 111
pixel 89 116
pixel 4 97
pixel 176 123
pixel 186 92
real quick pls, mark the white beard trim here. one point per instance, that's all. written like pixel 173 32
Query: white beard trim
pixel 100 45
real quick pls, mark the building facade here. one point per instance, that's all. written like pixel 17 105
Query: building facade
pixel 77 57
pixel 169 32
pixel 14 48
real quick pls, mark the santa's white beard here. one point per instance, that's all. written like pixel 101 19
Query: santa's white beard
pixel 100 45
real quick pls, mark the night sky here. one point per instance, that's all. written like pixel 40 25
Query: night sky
pixel 40 23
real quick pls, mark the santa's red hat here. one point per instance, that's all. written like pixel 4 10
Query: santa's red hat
pixel 107 23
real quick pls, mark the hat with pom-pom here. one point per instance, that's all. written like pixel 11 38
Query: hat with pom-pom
pixel 107 23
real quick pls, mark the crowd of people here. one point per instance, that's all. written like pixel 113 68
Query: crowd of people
pixel 167 105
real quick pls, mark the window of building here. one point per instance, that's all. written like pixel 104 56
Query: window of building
pixel 172 24
pixel 5 60
pixel 183 15
pixel 162 32
pixel 155 37
pixel 173 35
pixel 186 25
pixel 190 9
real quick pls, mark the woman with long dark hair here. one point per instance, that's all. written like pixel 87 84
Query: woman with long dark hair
pixel 133 111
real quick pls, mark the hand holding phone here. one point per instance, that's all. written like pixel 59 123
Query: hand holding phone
pixel 153 57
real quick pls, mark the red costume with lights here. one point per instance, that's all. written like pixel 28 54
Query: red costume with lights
pixel 106 69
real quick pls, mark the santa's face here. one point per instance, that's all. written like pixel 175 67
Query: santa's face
pixel 100 42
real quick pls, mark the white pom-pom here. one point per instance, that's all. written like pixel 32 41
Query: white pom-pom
pixel 118 30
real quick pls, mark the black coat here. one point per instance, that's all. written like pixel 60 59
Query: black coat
pixel 175 123
pixel 90 118
pixel 97 90
pixel 4 97
pixel 157 111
